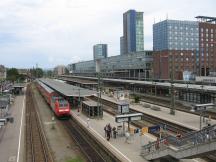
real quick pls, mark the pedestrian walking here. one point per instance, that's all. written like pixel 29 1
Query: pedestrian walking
pixel 127 136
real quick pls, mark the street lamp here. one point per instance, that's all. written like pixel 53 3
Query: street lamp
pixel 155 88
pixel 79 101
pixel 172 109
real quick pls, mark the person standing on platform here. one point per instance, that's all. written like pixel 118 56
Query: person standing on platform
pixel 109 130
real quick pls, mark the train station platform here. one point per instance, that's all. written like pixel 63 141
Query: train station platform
pixel 11 136
pixel 181 118
pixel 126 151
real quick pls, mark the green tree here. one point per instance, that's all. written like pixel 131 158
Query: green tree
pixel 37 73
pixel 48 73
pixel 12 74
pixel 136 99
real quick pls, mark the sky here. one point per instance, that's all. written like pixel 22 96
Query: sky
pixel 60 32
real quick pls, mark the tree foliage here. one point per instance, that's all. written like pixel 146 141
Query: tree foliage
pixel 36 73
pixel 48 73
pixel 136 99
pixel 12 74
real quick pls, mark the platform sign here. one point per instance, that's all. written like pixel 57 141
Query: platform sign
pixel 120 120
pixel 154 129
pixel 133 118
pixel 202 107
pixel 144 130
pixel 128 117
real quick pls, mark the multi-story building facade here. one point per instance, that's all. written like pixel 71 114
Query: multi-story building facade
pixel 59 70
pixel 133 38
pixel 100 51
pixel 132 66
pixel 207 45
pixel 177 49
pixel 3 72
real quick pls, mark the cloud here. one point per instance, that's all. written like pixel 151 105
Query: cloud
pixel 51 32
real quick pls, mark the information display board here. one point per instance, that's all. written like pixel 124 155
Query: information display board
pixel 128 117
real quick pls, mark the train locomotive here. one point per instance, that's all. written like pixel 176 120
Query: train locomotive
pixel 58 104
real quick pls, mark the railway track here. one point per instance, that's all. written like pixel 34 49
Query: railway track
pixel 111 108
pixel 92 150
pixel 36 147
pixel 178 106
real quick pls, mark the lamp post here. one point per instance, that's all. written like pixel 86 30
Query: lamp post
pixel 99 94
pixel 155 88
pixel 172 110
pixel 79 101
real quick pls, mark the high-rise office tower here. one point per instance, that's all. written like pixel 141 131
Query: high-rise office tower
pixel 133 38
pixel 100 51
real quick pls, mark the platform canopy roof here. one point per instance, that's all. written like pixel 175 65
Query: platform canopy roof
pixel 67 89
pixel 90 103
pixel 80 81
pixel 18 85
pixel 195 87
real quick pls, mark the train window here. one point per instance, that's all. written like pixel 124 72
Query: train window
pixel 62 103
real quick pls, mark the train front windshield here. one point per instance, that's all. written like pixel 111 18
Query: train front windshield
pixel 62 103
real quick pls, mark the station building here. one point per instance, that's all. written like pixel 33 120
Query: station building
pixel 136 65
pixel 3 72
pixel 132 63
pixel 184 47
pixel 59 70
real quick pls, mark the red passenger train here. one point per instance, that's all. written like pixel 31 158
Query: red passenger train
pixel 58 104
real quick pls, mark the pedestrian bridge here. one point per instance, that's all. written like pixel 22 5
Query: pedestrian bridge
pixel 191 145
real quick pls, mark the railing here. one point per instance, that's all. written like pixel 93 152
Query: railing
pixel 189 140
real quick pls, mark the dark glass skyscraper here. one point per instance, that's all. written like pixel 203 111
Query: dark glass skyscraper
pixel 132 39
